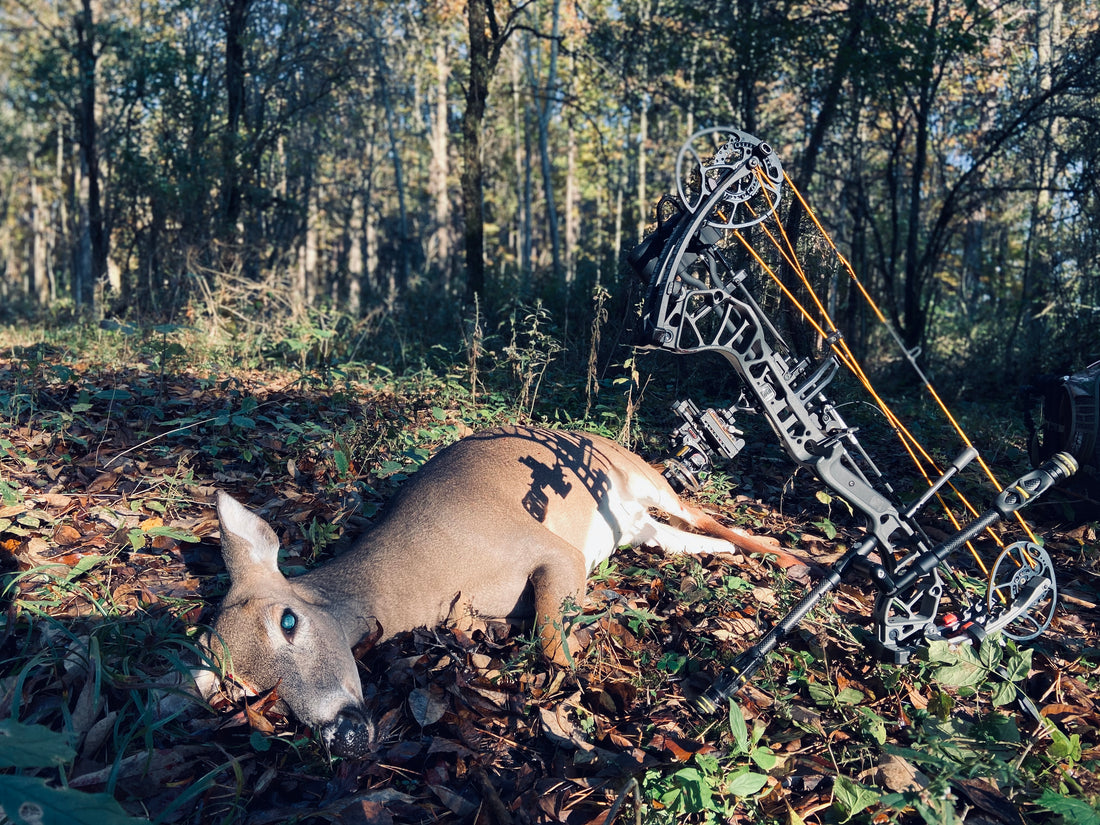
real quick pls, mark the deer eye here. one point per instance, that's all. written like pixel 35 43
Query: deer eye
pixel 289 622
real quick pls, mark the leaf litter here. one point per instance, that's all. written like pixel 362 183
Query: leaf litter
pixel 109 547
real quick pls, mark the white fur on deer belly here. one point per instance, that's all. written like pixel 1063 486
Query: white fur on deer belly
pixel 620 524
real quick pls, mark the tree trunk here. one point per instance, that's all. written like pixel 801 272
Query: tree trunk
pixel 521 240
pixel 236 21
pixel 38 285
pixel 1033 290
pixel 92 255
pixel 401 267
pixel 355 240
pixel 913 309
pixel 643 141
pixel 306 289
pixel 545 110
pixel 845 57
pixel 441 246
pixel 572 230
pixel 527 175
pixel 477 92
pixel 747 53
pixel 620 198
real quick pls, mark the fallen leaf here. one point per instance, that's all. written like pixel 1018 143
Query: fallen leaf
pixel 899 775
pixel 764 596
pixel 104 482
pixel 30 554
pixel 256 712
pixel 985 796
pixel 680 748
pixel 163 764
pixel 66 535
pixel 55 500
pixel 427 705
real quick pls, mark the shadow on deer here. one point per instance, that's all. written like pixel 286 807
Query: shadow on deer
pixel 506 523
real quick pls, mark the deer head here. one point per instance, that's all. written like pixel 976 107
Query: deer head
pixel 274 632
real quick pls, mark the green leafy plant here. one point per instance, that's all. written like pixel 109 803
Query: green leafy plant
pixel 530 351
pixel 1072 811
pixel 748 744
pixel 996 660
pixel 851 797
pixel 714 784
pixel 30 800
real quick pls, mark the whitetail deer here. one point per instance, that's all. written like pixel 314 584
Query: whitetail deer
pixel 505 523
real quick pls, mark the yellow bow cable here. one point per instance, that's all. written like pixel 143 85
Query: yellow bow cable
pixel 882 319
pixel 844 354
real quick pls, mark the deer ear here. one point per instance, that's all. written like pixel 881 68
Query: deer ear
pixel 249 546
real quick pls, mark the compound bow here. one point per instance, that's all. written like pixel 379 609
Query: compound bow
pixel 727 182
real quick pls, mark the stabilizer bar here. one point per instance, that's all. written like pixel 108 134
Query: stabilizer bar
pixel 1018 494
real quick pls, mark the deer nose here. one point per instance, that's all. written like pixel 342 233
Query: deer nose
pixel 350 734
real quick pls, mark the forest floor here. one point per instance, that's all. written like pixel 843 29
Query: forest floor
pixel 110 562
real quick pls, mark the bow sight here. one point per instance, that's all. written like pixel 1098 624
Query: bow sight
pixel 728 182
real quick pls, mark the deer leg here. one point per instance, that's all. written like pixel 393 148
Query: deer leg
pixel 695 518
pixel 560 577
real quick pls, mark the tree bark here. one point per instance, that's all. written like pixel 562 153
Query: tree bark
pixel 643 140
pixel 572 233
pixel 521 241
pixel 842 66
pixel 487 39
pixel 545 109
pixel 400 278
pixel 1032 288
pixel 913 308
pixel 38 285
pixel 91 259
pixel 441 247
pixel 236 21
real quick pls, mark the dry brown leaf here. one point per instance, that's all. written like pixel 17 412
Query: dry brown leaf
pixel 256 712
pixel 97 735
pixel 427 705
pixel 899 775
pixel 66 535
pixel 104 482
pixel 56 500
pixel 764 596
pixel 30 554
pixel 257 721
pixel 989 799
pixel 680 748
pixel 919 702
pixel 162 765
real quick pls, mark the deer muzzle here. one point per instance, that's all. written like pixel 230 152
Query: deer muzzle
pixel 351 734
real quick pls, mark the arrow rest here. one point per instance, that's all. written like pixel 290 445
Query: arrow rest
pixel 697 301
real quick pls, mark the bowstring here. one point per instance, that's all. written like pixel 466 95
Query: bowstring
pixel 839 346
pixel 908 355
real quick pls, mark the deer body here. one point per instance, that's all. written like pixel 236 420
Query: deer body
pixel 506 523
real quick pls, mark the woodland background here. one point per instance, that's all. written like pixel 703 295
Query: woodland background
pixel 411 170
